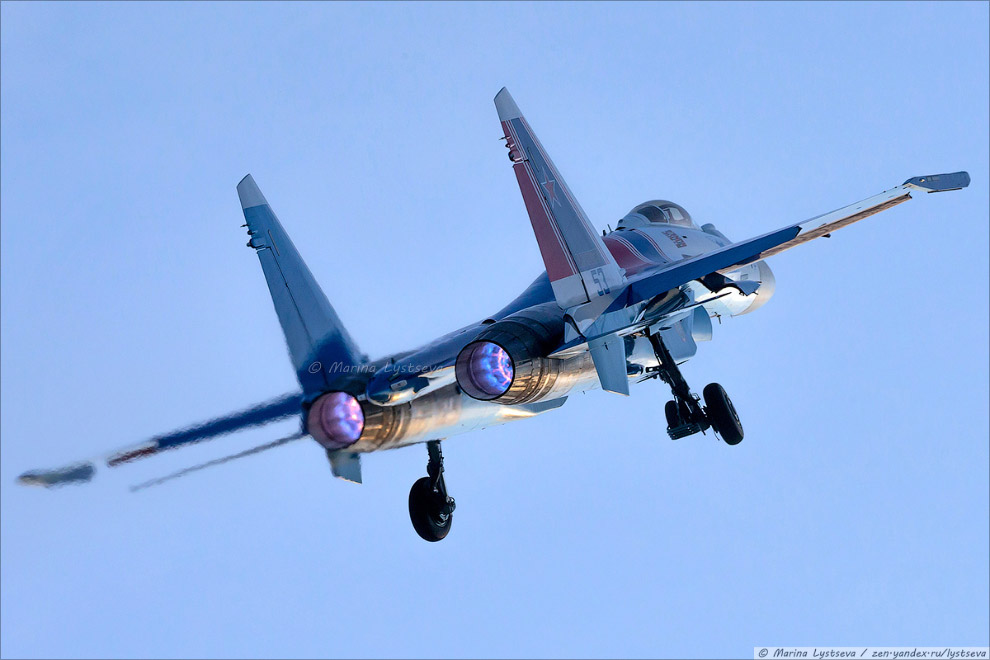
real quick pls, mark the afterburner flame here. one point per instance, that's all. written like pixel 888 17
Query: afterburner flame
pixel 490 368
pixel 336 420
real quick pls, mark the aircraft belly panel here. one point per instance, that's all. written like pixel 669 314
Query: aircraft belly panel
pixel 442 414
pixel 447 411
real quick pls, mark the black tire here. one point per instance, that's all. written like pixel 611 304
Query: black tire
pixel 673 417
pixel 722 414
pixel 424 511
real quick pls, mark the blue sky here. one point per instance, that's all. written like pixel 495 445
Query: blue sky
pixel 854 512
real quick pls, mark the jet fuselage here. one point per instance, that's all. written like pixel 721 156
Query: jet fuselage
pixel 422 382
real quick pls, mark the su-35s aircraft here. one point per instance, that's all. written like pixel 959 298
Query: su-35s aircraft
pixel 612 308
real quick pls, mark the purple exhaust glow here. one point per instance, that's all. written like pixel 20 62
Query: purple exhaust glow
pixel 490 368
pixel 340 419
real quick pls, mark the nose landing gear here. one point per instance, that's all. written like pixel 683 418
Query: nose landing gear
pixel 430 508
pixel 685 414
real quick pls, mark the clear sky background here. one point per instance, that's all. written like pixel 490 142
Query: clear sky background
pixel 855 512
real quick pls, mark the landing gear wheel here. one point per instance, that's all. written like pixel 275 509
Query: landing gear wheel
pixel 431 509
pixel 722 414
pixel 671 413
pixel 426 510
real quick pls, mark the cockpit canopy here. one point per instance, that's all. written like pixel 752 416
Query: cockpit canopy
pixel 658 211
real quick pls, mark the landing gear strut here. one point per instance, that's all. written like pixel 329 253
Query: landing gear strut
pixel 430 508
pixel 685 414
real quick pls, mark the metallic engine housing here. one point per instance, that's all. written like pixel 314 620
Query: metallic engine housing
pixel 528 336
pixel 381 424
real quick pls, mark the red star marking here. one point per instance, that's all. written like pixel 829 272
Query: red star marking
pixel 551 187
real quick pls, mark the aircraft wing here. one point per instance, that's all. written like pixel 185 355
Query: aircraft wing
pixel 826 223
pixel 732 256
pixel 284 407
pixel 682 272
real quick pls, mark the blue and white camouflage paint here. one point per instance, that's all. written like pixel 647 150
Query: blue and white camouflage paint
pixel 582 324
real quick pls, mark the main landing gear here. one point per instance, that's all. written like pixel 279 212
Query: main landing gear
pixel 430 508
pixel 685 414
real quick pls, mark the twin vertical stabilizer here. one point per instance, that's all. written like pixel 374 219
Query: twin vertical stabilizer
pixel 319 345
pixel 583 274
pixel 579 265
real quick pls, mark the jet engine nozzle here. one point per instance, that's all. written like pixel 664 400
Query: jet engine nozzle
pixel 507 363
pixel 488 370
pixel 336 420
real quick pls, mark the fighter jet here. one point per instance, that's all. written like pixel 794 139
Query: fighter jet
pixel 612 308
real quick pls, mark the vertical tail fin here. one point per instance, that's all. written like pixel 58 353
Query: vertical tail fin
pixel 319 345
pixel 580 267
